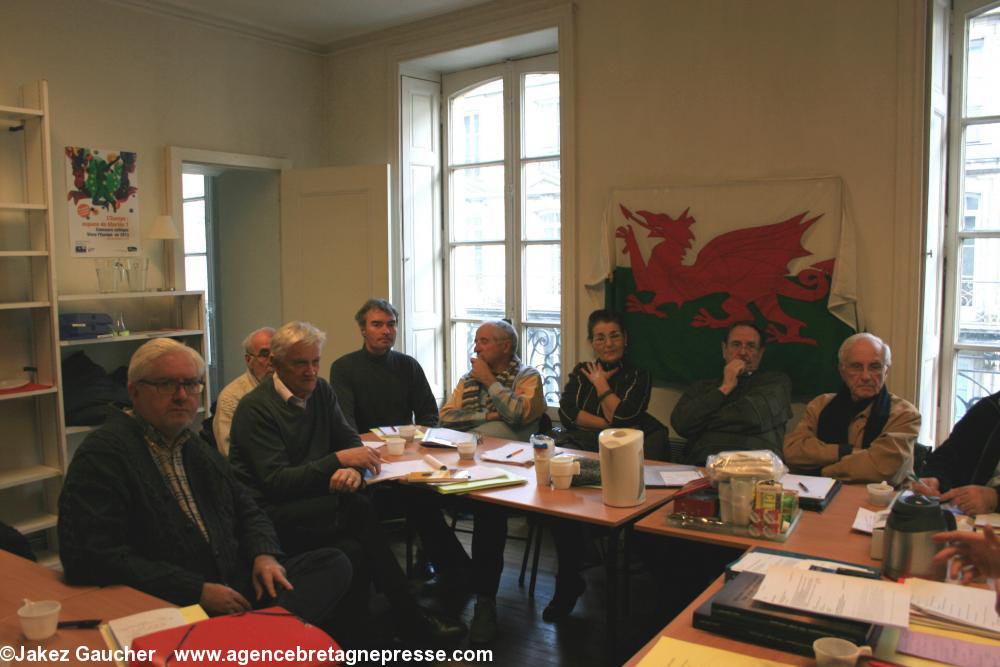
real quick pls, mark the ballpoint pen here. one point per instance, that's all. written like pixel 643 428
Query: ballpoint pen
pixel 515 452
pixel 803 487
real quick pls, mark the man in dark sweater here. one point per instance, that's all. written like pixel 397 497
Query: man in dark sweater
pixel 291 445
pixel 148 504
pixel 377 386
pixel 746 409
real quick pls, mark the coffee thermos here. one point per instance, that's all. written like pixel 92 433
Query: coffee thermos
pixel 908 549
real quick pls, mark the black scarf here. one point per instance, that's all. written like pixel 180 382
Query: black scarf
pixel 838 414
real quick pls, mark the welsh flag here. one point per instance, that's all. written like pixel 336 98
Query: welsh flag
pixel 692 260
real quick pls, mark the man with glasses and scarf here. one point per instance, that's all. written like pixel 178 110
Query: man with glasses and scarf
pixel 862 433
pixel 257 353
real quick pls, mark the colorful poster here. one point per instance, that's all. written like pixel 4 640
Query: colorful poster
pixel 693 260
pixel 103 202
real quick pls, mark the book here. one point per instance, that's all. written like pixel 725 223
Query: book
pixel 734 605
pixel 508 479
pixel 753 634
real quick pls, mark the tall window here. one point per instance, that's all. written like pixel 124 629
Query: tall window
pixel 198 270
pixel 503 211
pixel 971 353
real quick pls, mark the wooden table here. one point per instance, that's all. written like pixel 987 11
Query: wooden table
pixel 22 578
pixel 824 534
pixel 576 504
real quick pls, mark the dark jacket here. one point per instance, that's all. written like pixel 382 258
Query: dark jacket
pixel 972 451
pixel 752 416
pixel 120 524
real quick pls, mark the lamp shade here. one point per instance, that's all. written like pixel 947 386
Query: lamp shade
pixel 164 228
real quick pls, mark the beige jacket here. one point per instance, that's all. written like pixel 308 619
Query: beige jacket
pixel 889 457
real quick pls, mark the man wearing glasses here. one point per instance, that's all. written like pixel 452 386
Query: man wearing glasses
pixel 862 433
pixel 257 352
pixel 147 504
pixel 747 409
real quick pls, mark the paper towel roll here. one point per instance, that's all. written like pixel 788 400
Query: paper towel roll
pixel 621 451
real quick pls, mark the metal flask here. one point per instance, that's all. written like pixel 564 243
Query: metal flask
pixel 908 549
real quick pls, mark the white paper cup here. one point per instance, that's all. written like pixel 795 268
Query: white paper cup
pixel 467 451
pixel 834 652
pixel 395 446
pixel 562 481
pixel 39 619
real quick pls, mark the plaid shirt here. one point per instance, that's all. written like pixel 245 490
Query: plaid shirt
pixel 169 460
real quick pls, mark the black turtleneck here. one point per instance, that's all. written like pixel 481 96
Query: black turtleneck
pixel 382 390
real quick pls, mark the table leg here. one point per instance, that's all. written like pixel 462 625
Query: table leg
pixel 611 564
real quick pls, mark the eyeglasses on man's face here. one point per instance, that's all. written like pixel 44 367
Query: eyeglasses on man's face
pixel 170 387
pixel 262 353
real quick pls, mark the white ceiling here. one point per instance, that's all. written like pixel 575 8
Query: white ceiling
pixel 309 24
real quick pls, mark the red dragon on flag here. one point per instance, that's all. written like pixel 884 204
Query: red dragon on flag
pixel 749 266
pixel 685 261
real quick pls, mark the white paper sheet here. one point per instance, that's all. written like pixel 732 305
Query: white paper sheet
pixel 814 488
pixel 866 520
pixel 992 519
pixel 128 628
pixel 679 477
pixel 760 562
pixel 948 650
pixel 398 469
pixel 868 600
pixel 960 604
pixel 516 453
pixel 447 437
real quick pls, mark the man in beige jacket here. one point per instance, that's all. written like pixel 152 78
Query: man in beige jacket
pixel 862 433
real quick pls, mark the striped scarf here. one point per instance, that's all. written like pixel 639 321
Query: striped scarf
pixel 476 397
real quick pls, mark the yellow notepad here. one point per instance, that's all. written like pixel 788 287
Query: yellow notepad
pixel 670 652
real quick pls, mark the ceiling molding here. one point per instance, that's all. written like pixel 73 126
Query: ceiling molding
pixel 229 25
pixel 495 12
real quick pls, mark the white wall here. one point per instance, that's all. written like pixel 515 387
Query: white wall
pixel 676 91
pixel 122 78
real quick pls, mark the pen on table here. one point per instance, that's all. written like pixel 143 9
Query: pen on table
pixel 803 487
pixel 82 624
pixel 516 451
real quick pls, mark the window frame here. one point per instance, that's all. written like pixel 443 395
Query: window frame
pixel 959 122
pixel 513 73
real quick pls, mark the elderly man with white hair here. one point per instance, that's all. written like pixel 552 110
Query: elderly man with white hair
pixel 499 395
pixel 257 354
pixel 862 433
pixel 147 504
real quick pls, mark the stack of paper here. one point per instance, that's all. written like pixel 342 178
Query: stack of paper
pixel 954 607
pixel 856 598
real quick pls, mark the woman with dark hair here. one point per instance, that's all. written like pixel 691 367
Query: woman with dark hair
pixel 609 391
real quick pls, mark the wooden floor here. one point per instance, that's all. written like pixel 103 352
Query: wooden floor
pixel 525 639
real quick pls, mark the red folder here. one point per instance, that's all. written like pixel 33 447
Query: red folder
pixel 249 638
